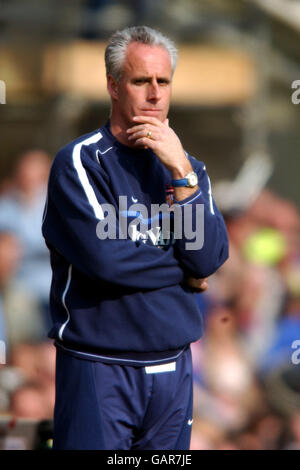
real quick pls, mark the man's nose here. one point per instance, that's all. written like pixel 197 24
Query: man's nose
pixel 154 92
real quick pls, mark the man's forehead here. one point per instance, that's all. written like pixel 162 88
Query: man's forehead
pixel 145 55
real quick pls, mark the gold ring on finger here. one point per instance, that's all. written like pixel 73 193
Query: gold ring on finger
pixel 148 135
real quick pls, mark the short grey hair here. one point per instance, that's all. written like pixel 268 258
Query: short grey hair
pixel 116 49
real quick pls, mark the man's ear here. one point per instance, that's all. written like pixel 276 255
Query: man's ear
pixel 112 87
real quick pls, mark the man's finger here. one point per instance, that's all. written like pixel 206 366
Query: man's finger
pixel 142 133
pixel 203 286
pixel 137 128
pixel 145 142
pixel 199 285
pixel 149 120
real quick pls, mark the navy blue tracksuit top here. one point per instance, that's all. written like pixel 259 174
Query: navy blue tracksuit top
pixel 123 296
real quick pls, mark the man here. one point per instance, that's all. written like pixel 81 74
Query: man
pixel 123 308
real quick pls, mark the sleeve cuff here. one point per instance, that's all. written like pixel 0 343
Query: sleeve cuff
pixel 189 199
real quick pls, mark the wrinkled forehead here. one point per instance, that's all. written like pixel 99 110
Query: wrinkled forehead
pixel 147 59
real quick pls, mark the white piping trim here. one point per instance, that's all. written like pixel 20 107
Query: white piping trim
pixel 61 330
pixel 211 206
pixel 97 156
pixel 119 359
pixel 46 208
pixel 90 194
pixel 188 202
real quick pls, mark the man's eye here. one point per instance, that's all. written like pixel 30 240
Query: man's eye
pixel 139 82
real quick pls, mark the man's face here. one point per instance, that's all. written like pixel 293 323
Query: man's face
pixel 145 86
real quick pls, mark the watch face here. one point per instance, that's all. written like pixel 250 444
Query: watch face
pixel 193 179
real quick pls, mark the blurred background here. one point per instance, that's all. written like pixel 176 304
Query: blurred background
pixel 234 107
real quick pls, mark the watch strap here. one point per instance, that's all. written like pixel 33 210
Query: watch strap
pixel 180 182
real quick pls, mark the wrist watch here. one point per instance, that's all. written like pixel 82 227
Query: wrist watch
pixel 189 181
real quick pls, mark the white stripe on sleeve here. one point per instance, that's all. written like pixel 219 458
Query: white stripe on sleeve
pixel 90 194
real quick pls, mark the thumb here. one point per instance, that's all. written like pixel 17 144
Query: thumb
pixel 166 121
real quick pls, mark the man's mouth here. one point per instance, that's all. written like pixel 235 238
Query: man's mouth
pixel 151 110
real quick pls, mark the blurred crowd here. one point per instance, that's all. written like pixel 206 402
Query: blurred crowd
pixel 247 365
pixel 27 378
pixel 100 18
pixel 247 376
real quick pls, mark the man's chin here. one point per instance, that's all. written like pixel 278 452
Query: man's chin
pixel 152 114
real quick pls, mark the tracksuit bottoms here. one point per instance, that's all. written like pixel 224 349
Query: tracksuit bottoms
pixel 103 406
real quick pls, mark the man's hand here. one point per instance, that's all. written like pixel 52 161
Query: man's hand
pixel 150 132
pixel 197 285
